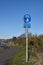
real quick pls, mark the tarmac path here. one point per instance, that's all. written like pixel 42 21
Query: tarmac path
pixel 7 54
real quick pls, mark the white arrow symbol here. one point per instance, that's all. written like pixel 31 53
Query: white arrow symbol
pixel 27 20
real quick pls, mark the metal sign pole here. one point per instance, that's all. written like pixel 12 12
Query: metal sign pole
pixel 26 32
pixel 27 25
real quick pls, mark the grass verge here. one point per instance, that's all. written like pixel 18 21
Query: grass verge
pixel 19 59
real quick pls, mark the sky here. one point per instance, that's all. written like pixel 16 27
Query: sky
pixel 12 13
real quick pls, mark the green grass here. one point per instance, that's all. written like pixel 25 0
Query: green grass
pixel 19 59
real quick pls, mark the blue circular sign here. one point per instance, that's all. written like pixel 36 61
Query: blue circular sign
pixel 27 18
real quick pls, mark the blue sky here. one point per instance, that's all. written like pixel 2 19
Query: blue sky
pixel 11 17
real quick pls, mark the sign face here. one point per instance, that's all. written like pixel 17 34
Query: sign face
pixel 27 19
pixel 27 25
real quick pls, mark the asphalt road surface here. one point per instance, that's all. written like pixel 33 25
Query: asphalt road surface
pixel 7 54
